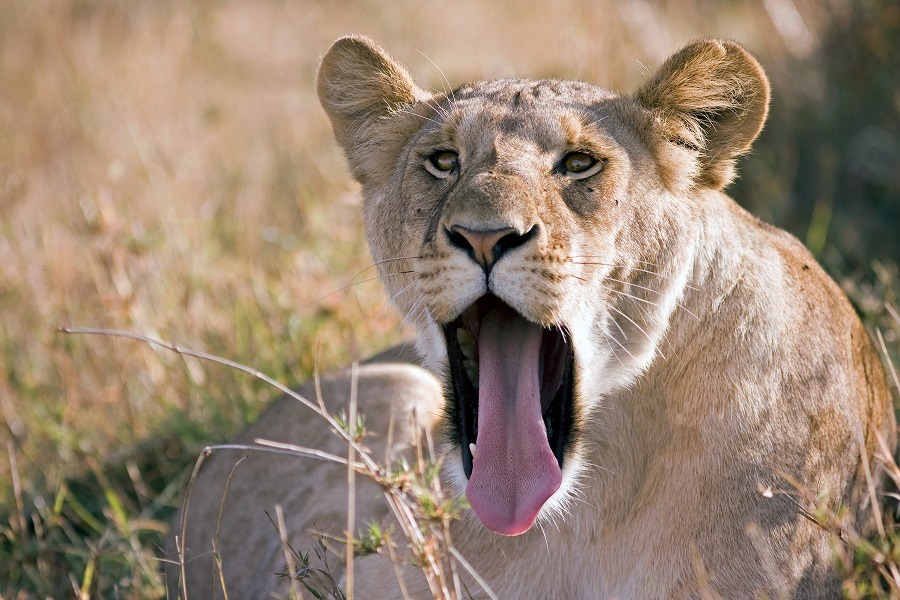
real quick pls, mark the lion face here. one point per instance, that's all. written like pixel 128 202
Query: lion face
pixel 539 236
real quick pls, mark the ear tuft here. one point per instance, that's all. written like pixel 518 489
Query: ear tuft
pixel 711 97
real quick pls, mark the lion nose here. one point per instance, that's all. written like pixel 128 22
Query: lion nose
pixel 487 246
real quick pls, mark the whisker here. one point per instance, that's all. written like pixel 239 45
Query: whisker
pixel 643 262
pixel 627 295
pixel 622 347
pixel 383 261
pixel 546 541
pixel 641 329
pixel 474 526
pixel 396 295
pixel 657 305
pixel 444 77
pixel 407 308
pixel 651 290
pixel 687 310
pixel 596 466
pixel 437 108
pixel 665 332
pixel 412 314
pixel 622 331
pixel 350 285
pixel 577 277
pixel 412 114
pixel 433 105
pixel 654 273
pixel 611 349
pixel 413 317
pixel 658 293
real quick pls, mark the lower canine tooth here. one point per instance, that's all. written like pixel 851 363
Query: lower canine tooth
pixel 471 368
pixel 466 342
pixel 472 449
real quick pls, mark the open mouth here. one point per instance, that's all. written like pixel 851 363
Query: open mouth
pixel 511 410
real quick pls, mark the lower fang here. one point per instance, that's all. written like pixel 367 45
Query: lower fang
pixel 467 344
pixel 472 449
pixel 471 368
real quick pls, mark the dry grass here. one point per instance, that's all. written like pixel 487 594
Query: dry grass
pixel 413 492
pixel 165 169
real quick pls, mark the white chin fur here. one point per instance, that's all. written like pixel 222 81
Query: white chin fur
pixel 431 347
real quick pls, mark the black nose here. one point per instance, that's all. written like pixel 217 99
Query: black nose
pixel 487 246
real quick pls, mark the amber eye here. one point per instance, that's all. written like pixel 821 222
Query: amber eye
pixel 578 162
pixel 442 163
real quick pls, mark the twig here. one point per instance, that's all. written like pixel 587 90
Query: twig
pixel 220 571
pixel 282 449
pixel 179 540
pixel 471 571
pixel 397 571
pixel 294 450
pixel 887 358
pixel 17 491
pixel 351 480
pixel 419 527
pixel 188 352
pixel 228 363
pixel 288 555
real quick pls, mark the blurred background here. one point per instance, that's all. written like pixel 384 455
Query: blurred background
pixel 165 169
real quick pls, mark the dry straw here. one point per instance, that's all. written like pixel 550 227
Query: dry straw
pixel 413 492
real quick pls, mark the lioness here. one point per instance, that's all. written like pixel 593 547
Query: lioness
pixel 614 350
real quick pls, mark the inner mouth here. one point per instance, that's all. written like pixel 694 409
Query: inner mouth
pixel 511 410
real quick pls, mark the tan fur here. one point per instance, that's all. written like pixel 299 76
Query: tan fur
pixel 715 358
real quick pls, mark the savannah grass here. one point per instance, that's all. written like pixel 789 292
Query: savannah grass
pixel 412 492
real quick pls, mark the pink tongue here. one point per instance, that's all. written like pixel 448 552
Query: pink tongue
pixel 514 471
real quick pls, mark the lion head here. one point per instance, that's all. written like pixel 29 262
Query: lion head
pixel 540 236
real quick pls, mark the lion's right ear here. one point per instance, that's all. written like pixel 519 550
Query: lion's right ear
pixel 360 86
pixel 711 99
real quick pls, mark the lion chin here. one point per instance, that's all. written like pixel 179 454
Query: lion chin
pixel 614 356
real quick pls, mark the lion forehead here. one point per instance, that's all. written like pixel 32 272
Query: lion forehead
pixel 520 92
pixel 507 120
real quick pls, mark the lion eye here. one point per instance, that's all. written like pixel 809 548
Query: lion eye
pixel 441 163
pixel 578 162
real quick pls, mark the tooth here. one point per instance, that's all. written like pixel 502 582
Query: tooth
pixel 467 343
pixel 471 368
pixel 472 449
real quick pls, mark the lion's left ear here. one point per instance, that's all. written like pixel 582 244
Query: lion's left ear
pixel 711 97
